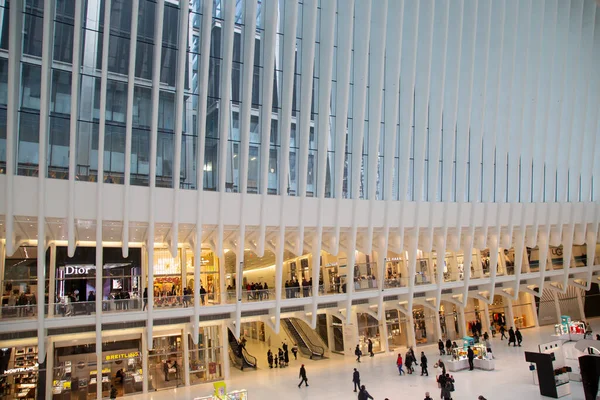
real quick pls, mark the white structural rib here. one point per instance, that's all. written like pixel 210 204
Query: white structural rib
pixel 225 109
pixel 269 15
pixel 158 23
pixel 289 53
pixel 309 26
pixel 75 78
pixel 482 46
pixel 362 33
pixel 249 38
pixel 135 5
pixel 376 76
pixel 207 8
pixel 327 24
pixel 179 94
pixel 393 49
pixel 100 187
pixel 345 23
pixel 46 80
pixel 15 33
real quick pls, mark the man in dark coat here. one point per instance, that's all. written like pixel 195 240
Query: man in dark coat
pixel 302 376
pixel 511 337
pixel 363 394
pixel 370 348
pixel 424 365
pixel 470 356
pixel 519 337
pixel 356 379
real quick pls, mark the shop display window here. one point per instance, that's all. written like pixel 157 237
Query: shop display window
pixel 75 372
pixel 364 276
pixel 209 275
pixel 368 328
pixel 20 283
pixel 396 274
pixel 165 361
pixel 20 373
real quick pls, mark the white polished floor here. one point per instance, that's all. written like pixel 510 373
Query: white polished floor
pixel 331 379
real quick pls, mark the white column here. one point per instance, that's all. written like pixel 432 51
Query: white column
pixel 510 313
pixel 49 368
pixel 158 29
pixel 438 325
pixel 52 281
pixel 15 47
pixel 75 80
pixel 225 353
pixel 486 316
pixel 129 126
pixel 185 368
pixel 556 306
pixel 410 329
pixel 580 304
pixel 534 311
pixel 462 322
pixel 384 332
pixel 2 266
pixel 145 362
pixel 179 93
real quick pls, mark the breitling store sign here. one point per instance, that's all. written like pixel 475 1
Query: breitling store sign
pixel 121 356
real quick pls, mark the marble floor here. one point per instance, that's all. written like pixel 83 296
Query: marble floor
pixel 331 379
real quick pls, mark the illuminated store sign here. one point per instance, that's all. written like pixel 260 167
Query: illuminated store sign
pixel 78 270
pixel 113 357
pixel 21 370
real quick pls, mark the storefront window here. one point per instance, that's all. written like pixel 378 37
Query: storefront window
pixel 206 357
pixel 20 373
pixel 396 274
pixel 449 321
pixel 556 255
pixel 368 328
pixel 364 276
pixel 209 276
pixel 424 322
pixel 75 372
pixel 168 289
pixel 396 329
pixel 165 361
pixel 20 283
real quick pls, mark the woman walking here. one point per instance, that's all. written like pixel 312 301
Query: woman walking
pixel 399 364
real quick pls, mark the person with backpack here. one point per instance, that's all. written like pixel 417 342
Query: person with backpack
pixel 357 353
pixel 356 379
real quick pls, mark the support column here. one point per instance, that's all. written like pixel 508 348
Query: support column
pixel 183 268
pixel 186 357
pixel 510 313
pixel 580 304
pixel 222 278
pixel 52 282
pixel 462 322
pixel 410 330
pixel 556 306
pixel 145 361
pixel 438 325
pixel 225 353
pixel 330 337
pixel 2 266
pixel 49 368
pixel 534 311
pixel 486 317
pixel 350 332
pixel 383 337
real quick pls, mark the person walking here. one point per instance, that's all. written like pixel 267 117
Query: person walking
pixel 470 357
pixel 145 299
pixel 302 376
pixel 270 358
pixel 441 365
pixel 295 351
pixel 441 347
pixel 356 379
pixel 424 364
pixel 412 354
pixel 363 394
pixel 441 380
pixel 502 332
pixel 357 353
pixel 493 330
pixel 370 348
pixel 511 337
pixel 399 364
pixel 488 347
pixel 448 388
pixel 409 362
pixel 519 337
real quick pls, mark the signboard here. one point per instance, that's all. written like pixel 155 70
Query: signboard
pixel 21 370
pixel 121 356
pixel 78 269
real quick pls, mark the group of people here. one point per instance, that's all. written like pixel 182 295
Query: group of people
pixel 362 390
pixel 514 336
pixel 410 360
pixel 293 287
pixel 282 358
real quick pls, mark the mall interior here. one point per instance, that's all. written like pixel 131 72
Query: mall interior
pixel 186 183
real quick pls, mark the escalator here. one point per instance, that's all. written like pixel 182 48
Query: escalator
pixel 307 347
pixel 238 355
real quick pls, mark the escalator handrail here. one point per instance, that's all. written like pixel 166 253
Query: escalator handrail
pixel 246 358
pixel 293 332
pixel 309 345
pixel 318 350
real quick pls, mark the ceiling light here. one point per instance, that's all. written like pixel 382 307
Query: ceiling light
pixel 60 226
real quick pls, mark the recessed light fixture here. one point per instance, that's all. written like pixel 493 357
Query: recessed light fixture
pixel 87 237
pixel 60 226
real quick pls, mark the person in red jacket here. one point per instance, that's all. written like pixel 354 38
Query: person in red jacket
pixel 399 364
